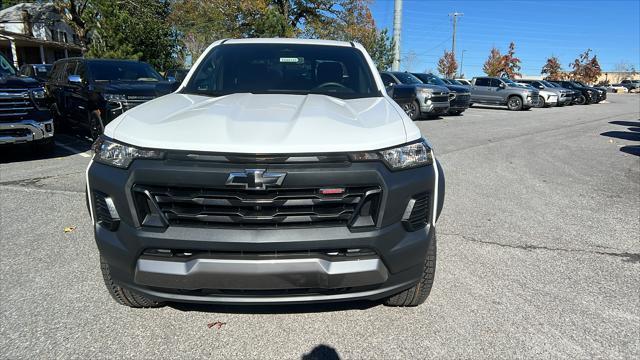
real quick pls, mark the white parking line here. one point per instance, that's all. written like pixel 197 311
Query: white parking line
pixel 73 150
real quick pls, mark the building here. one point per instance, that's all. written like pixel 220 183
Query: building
pixel 35 33
pixel 615 77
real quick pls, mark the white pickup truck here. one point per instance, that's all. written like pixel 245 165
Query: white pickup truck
pixel 279 172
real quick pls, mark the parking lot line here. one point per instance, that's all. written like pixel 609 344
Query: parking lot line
pixel 74 150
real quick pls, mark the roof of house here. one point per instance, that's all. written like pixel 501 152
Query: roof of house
pixel 38 12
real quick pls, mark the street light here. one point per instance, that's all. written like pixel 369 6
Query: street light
pixel 461 61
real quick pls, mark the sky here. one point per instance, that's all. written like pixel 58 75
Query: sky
pixel 540 28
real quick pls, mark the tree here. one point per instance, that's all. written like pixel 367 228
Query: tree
pixel 201 22
pixel 552 69
pixel 586 68
pixel 447 65
pixel 510 63
pixel 624 66
pixel 493 66
pixel 136 30
pixel 81 16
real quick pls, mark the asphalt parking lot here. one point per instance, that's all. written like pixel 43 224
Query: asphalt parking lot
pixel 539 257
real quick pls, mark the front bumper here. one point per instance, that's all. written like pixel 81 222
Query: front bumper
pixel 431 107
pixel 24 131
pixel 247 265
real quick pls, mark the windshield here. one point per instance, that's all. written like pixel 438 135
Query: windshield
pixel 106 70
pixel 430 79
pixel 6 68
pixel 548 84
pixel 407 78
pixel 283 69
pixel 455 82
pixel 511 83
pixel 42 71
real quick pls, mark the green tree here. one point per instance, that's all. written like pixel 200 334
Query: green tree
pixel 136 30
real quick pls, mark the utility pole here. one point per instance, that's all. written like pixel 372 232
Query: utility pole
pixel 461 61
pixel 397 27
pixel 453 44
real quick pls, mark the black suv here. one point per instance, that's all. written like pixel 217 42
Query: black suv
pixel 459 95
pixel 585 95
pixel 416 98
pixel 89 93
pixel 39 72
pixel 24 115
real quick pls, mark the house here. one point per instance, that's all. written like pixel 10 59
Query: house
pixel 35 33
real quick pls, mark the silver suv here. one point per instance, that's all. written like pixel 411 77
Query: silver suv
pixel 499 91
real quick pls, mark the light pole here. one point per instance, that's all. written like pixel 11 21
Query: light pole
pixel 397 28
pixel 461 61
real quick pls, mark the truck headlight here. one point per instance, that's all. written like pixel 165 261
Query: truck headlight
pixel 120 155
pixel 426 92
pixel 115 98
pixel 402 157
pixel 38 94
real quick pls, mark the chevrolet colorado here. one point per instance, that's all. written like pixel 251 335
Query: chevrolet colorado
pixel 280 171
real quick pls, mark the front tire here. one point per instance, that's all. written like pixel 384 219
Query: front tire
pixel 582 100
pixel 412 110
pixel 125 296
pixel 419 293
pixel 540 103
pixel 95 127
pixel 45 147
pixel 514 103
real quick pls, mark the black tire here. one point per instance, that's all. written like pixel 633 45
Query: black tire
pixel 125 296
pixel 412 109
pixel 455 112
pixel 470 104
pixel 45 147
pixel 95 127
pixel 419 293
pixel 581 100
pixel 540 103
pixel 514 103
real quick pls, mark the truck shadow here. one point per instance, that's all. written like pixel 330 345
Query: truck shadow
pixel 276 309
pixel 66 145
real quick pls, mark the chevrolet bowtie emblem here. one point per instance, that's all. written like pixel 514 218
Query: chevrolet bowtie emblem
pixel 255 179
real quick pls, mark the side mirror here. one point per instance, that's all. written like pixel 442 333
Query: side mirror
pixel 75 79
pixel 502 86
pixel 171 79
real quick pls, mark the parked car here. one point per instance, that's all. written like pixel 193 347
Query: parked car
pixel 459 96
pixel 24 115
pixel 500 91
pixel 617 88
pixel 464 81
pixel 87 94
pixel 416 98
pixel 585 96
pixel 548 92
pixel 279 172
pixel 631 85
pixel 574 94
pixel 176 74
pixel 599 90
pixel 544 99
pixel 39 72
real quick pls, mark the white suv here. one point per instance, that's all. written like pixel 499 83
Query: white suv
pixel 279 172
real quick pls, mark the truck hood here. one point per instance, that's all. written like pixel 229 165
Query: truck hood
pixel 18 82
pixel 262 124
pixel 458 88
pixel 135 88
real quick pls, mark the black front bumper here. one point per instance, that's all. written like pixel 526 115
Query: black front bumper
pixel 266 265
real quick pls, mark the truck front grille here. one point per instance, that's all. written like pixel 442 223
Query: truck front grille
pixel 14 103
pixel 223 207
pixel 133 101
pixel 440 99
pixel 461 100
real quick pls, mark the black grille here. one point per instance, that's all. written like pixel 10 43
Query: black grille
pixel 419 214
pixel 223 207
pixel 440 98
pixel 461 100
pixel 16 132
pixel 14 103
pixel 103 216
